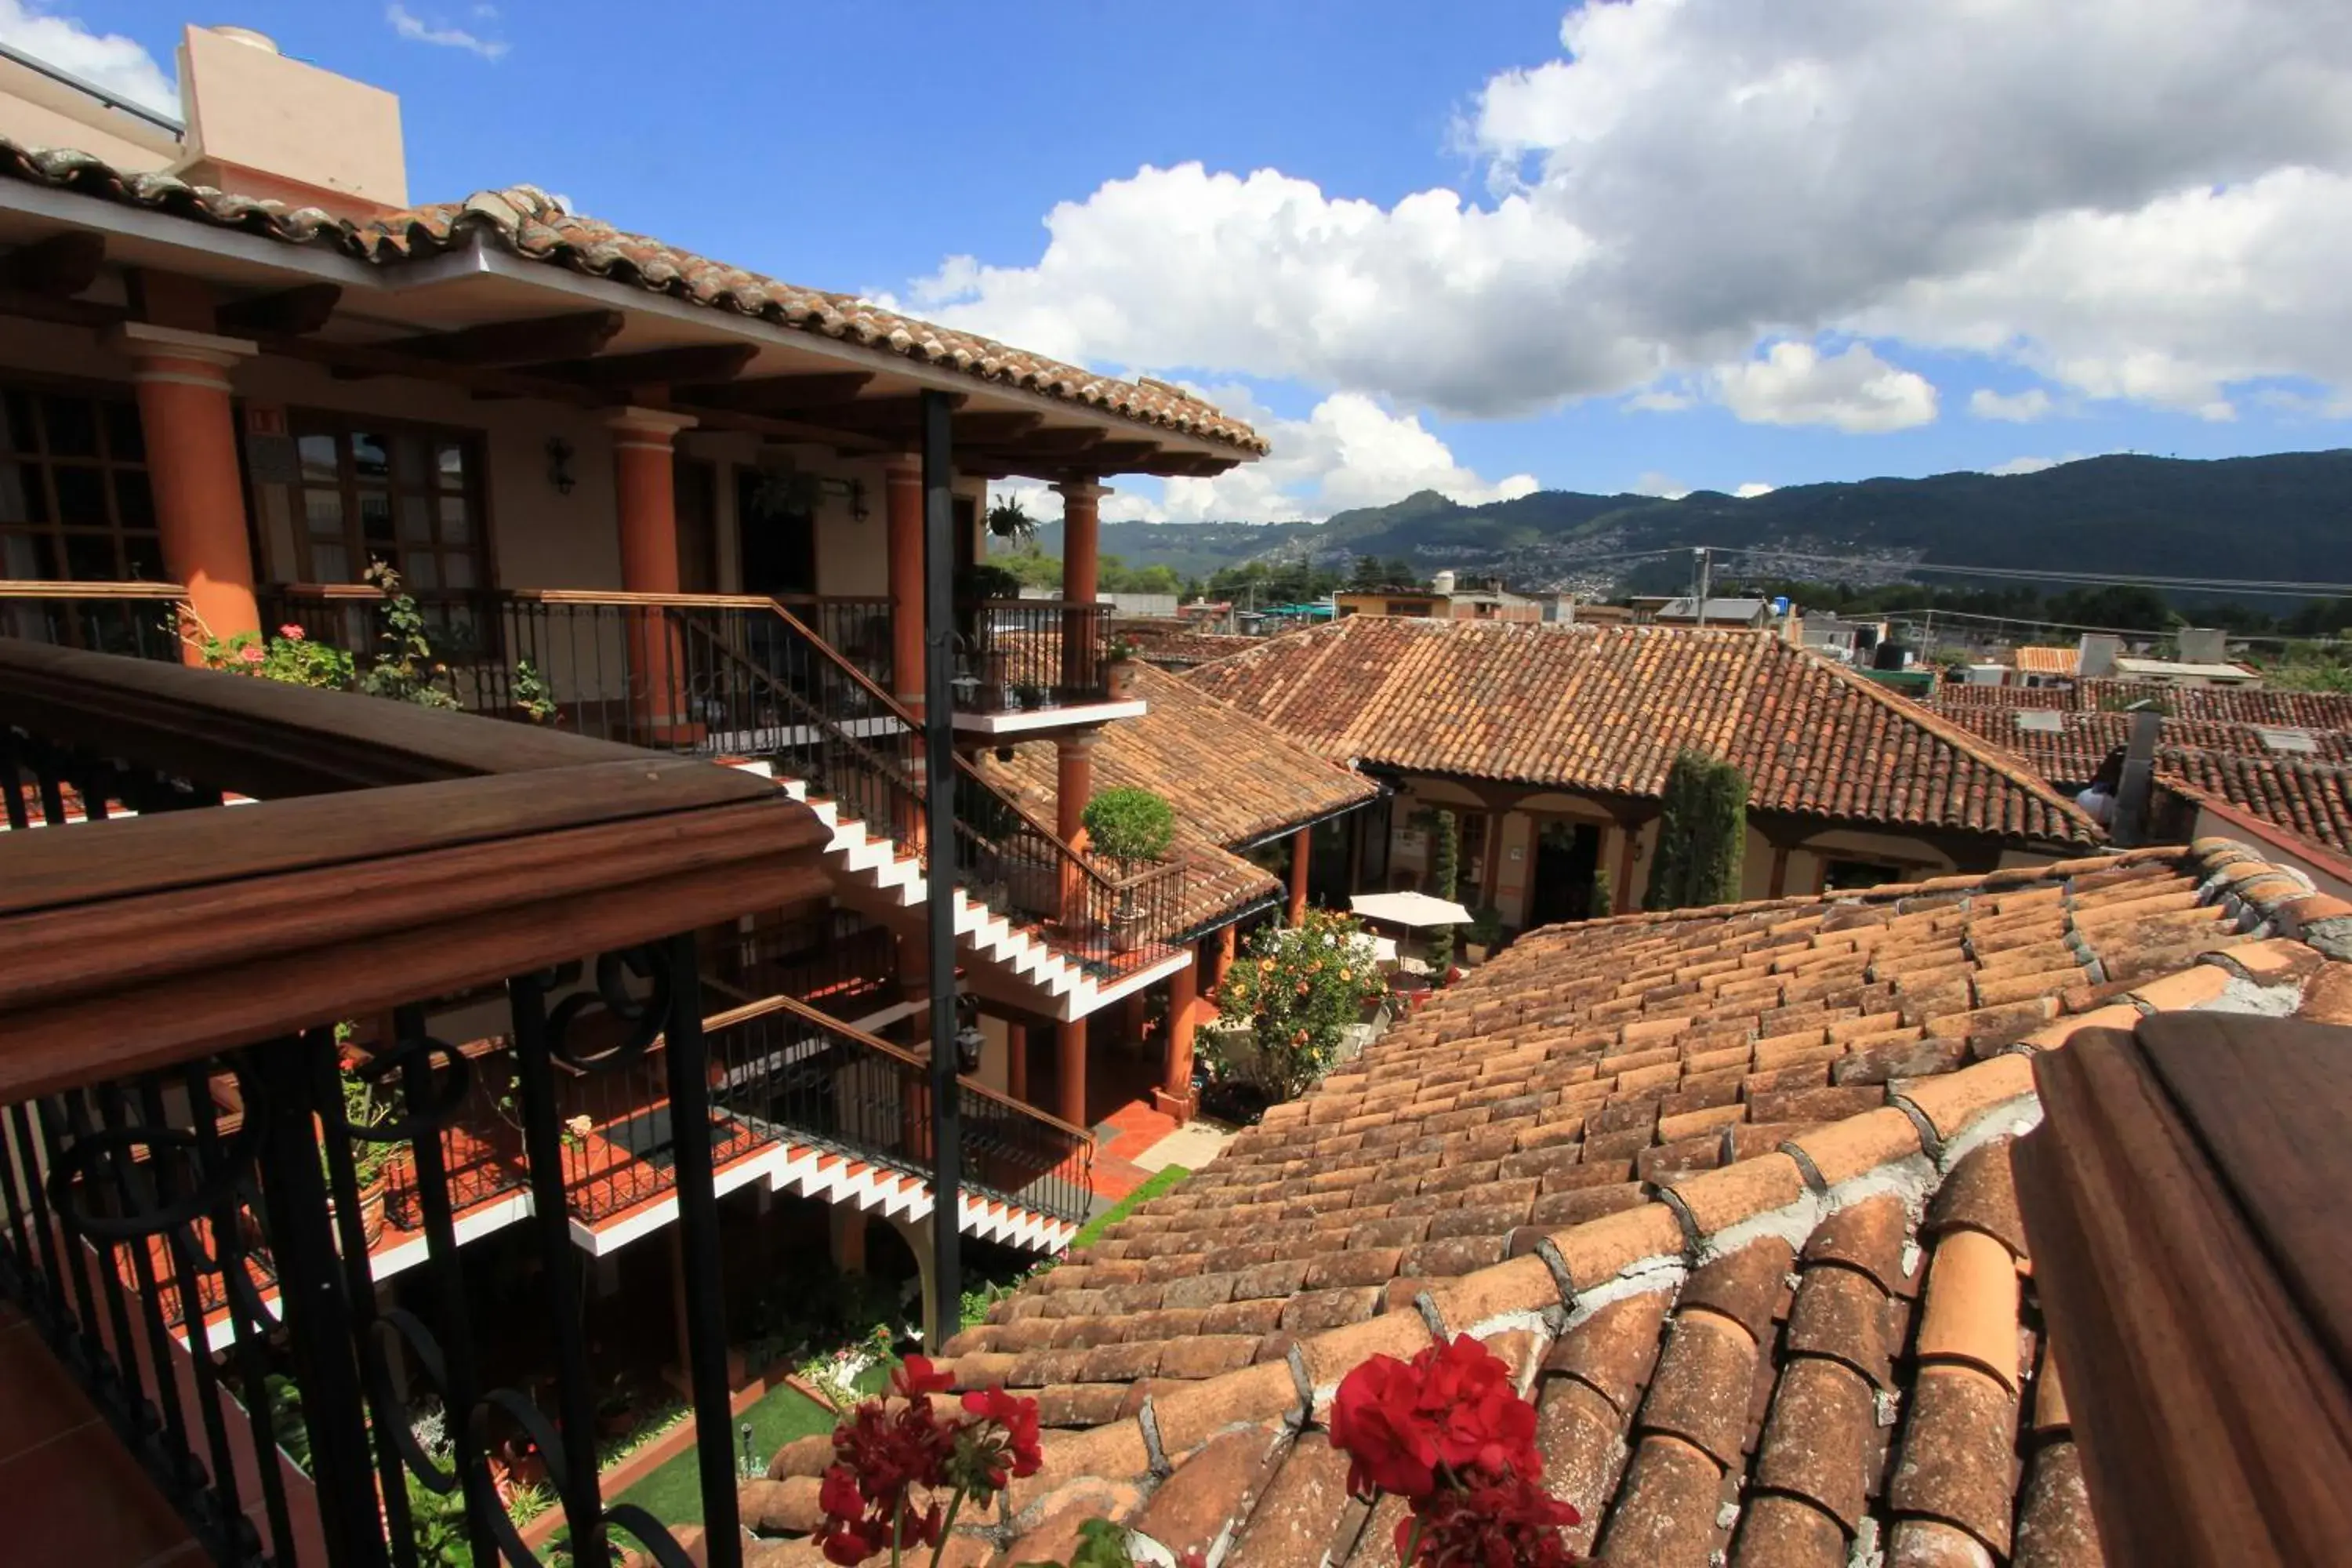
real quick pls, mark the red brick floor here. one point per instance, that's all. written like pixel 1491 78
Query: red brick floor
pixel 70 1495
pixel 1132 1129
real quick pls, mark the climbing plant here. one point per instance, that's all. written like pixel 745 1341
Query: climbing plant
pixel 1702 835
pixel 1444 873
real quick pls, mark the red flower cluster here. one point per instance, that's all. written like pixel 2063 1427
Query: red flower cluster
pixel 881 1457
pixel 1448 1432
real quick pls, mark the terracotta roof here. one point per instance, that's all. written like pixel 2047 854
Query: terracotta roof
pixel 1174 645
pixel 1605 708
pixel 2303 795
pixel 2033 660
pixel 2072 754
pixel 1729 1189
pixel 2217 704
pixel 1233 781
pixel 525 221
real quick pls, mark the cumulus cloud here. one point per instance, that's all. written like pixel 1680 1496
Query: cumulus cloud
pixel 1753 488
pixel 2024 466
pixel 1665 487
pixel 2017 407
pixel 1693 178
pixel 1347 452
pixel 109 61
pixel 1853 390
pixel 416 30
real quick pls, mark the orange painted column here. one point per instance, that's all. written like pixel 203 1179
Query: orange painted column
pixel 1070 1072
pixel 645 496
pixel 903 492
pixel 181 381
pixel 1183 1016
pixel 1081 577
pixel 1302 845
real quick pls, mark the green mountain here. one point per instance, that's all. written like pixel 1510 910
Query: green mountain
pixel 2286 516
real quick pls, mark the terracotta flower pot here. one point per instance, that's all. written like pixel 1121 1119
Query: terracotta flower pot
pixel 1119 679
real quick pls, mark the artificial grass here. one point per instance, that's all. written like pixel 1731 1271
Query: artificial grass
pixel 1159 1183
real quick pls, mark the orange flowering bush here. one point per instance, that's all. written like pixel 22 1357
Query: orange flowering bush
pixel 1299 990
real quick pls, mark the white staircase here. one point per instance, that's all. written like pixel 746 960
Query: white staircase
pixel 875 873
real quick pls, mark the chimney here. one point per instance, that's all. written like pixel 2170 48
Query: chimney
pixel 2130 825
pixel 263 125
pixel 2095 655
pixel 2204 644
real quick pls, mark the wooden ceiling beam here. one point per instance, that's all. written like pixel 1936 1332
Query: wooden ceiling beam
pixel 694 362
pixel 58 266
pixel 575 336
pixel 299 311
pixel 797 394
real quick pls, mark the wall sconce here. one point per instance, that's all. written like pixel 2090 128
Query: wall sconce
pixel 559 464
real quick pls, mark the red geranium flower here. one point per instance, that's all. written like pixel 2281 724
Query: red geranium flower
pixel 916 1376
pixel 1453 1407
pixel 1510 1523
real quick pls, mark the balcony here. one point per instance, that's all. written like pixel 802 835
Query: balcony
pixel 1025 666
pixel 490 932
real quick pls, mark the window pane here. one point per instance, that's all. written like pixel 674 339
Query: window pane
pixel 331 563
pixel 20 494
pixel 375 518
pixel 456 520
pixel 144 556
pixel 16 432
pixel 449 457
pixel 369 459
pixel 72 426
pixel 126 439
pixel 407 460
pixel 90 558
pixel 28 555
pixel 134 506
pixel 423 570
pixel 323 513
pixel 81 496
pixel 415 520
pixel 458 569
pixel 318 463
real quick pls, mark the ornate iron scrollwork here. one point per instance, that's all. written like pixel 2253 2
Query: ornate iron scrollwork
pixel 644 1015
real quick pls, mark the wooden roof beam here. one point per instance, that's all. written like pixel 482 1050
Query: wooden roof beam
pixel 296 311
pixel 652 367
pixel 58 266
pixel 796 394
pixel 575 336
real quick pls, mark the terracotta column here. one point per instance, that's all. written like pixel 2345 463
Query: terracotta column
pixel 1183 1016
pixel 903 488
pixel 182 384
pixel 1070 1072
pixel 645 497
pixel 1074 785
pixel 1081 577
pixel 1016 1061
pixel 1302 844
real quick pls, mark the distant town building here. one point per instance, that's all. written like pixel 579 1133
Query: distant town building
pixel 1441 601
pixel 1683 611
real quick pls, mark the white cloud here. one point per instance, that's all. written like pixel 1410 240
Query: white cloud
pixel 1347 452
pixel 1853 390
pixel 1753 488
pixel 2024 466
pixel 417 31
pixel 1696 177
pixel 2017 407
pixel 109 61
pixel 1657 401
pixel 1665 487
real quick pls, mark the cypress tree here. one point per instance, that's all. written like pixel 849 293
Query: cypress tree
pixel 1444 872
pixel 1702 835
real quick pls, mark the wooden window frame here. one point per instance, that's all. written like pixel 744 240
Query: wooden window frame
pixel 344 425
pixel 44 463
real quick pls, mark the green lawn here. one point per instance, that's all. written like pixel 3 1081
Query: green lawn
pixel 1159 1183
pixel 673 1493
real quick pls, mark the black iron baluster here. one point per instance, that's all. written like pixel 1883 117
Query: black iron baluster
pixel 278 1079
pixel 46 1240
pixel 118 1381
pixel 165 1395
pixel 246 1321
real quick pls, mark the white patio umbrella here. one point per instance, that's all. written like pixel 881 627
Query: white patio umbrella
pixel 1409 909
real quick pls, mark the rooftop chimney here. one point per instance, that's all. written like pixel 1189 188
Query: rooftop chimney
pixel 263 125
pixel 2204 644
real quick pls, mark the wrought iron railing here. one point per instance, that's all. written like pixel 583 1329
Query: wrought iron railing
pixel 839 962
pixel 784 1075
pixel 191 1139
pixel 736 676
pixel 141 620
pixel 1032 655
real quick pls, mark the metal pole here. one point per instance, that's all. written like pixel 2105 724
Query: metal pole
pixel 939 796
pixel 1703 572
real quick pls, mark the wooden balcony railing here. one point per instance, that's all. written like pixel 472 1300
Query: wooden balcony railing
pixel 222 1027
pixel 138 619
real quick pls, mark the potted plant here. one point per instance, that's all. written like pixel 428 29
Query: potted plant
pixel 367 1105
pixel 616 1409
pixel 1483 935
pixel 1119 674
pixel 1130 826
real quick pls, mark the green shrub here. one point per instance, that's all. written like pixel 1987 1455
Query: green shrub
pixel 1604 897
pixel 1130 824
pixel 1702 835
pixel 1444 873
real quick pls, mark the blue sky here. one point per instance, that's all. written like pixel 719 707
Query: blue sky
pixel 1687 242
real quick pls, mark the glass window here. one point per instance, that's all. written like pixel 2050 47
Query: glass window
pixel 74 501
pixel 409 498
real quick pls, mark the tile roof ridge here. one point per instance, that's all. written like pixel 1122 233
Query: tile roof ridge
pixel 1232 713
pixel 2002 760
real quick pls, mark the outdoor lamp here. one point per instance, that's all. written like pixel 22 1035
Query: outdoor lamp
pixel 969 1042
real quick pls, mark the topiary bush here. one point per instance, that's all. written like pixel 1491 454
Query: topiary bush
pixel 1702 835
pixel 1130 824
pixel 1444 874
